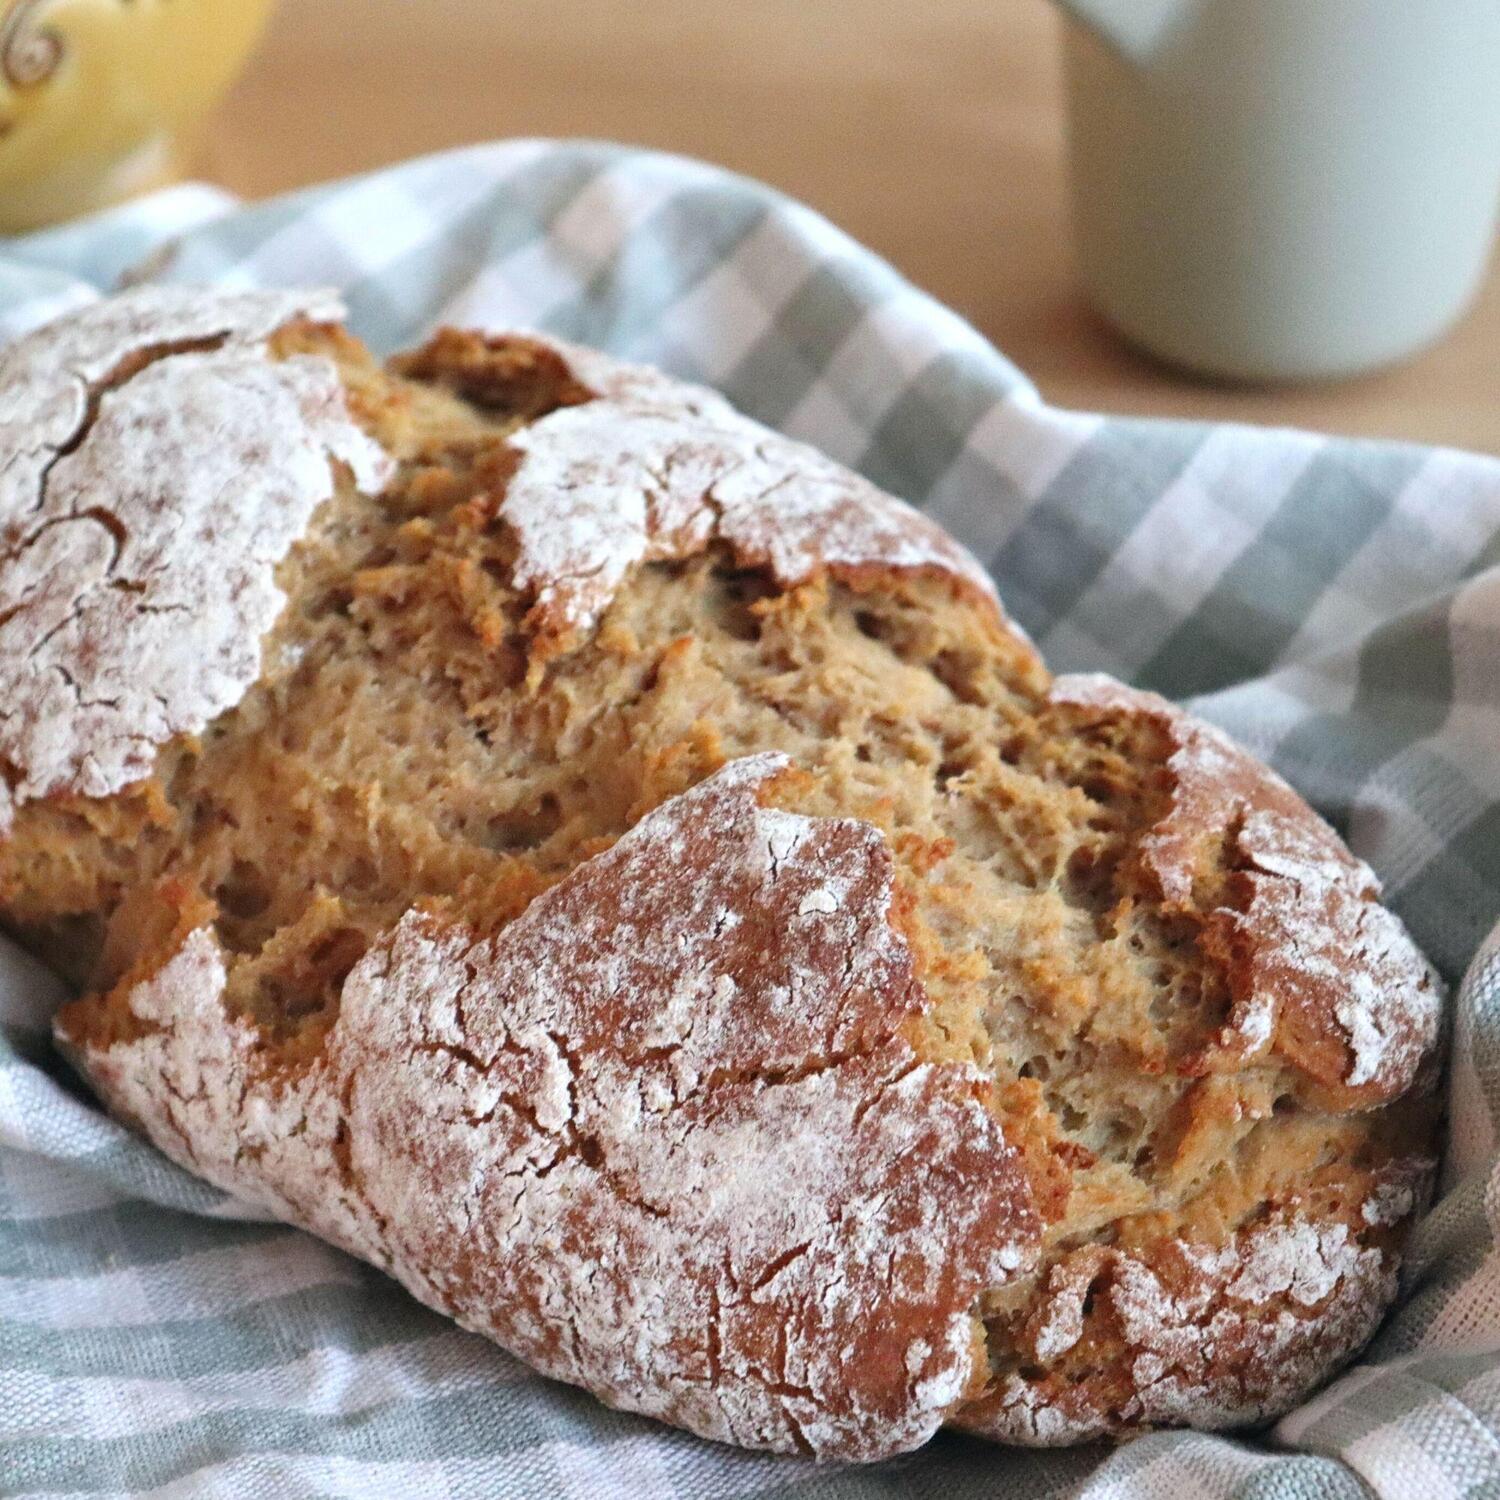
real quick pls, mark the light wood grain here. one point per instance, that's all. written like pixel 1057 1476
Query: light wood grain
pixel 932 131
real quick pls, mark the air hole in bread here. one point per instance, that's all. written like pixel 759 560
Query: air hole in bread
pixel 244 893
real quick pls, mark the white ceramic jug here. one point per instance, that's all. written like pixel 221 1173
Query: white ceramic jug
pixel 1284 189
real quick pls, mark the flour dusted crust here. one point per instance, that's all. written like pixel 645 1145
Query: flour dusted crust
pixel 653 468
pixel 1321 972
pixel 662 1137
pixel 1168 1332
pixel 1213 1338
pixel 625 876
pixel 158 465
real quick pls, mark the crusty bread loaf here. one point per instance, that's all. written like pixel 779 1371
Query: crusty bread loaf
pixel 625 876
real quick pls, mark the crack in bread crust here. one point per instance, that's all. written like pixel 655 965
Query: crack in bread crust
pixel 1321 973
pixel 657 469
pixel 127 623
pixel 1211 1338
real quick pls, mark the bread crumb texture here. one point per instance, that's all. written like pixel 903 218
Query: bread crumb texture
pixel 625 876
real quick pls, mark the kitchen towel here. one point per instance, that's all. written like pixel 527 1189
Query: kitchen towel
pixel 1334 604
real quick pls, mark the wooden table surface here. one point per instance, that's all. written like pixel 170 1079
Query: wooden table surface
pixel 931 131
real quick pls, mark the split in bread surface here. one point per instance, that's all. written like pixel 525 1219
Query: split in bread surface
pixel 624 875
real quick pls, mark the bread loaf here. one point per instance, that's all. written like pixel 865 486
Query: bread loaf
pixel 625 876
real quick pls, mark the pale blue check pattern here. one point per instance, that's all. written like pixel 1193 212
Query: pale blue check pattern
pixel 1335 604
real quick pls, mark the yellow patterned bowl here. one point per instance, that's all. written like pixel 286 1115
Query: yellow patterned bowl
pixel 95 95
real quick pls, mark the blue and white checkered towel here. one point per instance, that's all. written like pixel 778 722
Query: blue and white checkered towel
pixel 1334 604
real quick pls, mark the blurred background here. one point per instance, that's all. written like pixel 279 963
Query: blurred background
pixel 932 131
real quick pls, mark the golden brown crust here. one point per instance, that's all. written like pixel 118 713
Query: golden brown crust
pixel 1319 972
pixel 134 597
pixel 1266 1256
pixel 664 1137
pixel 1177 1334
pixel 625 466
